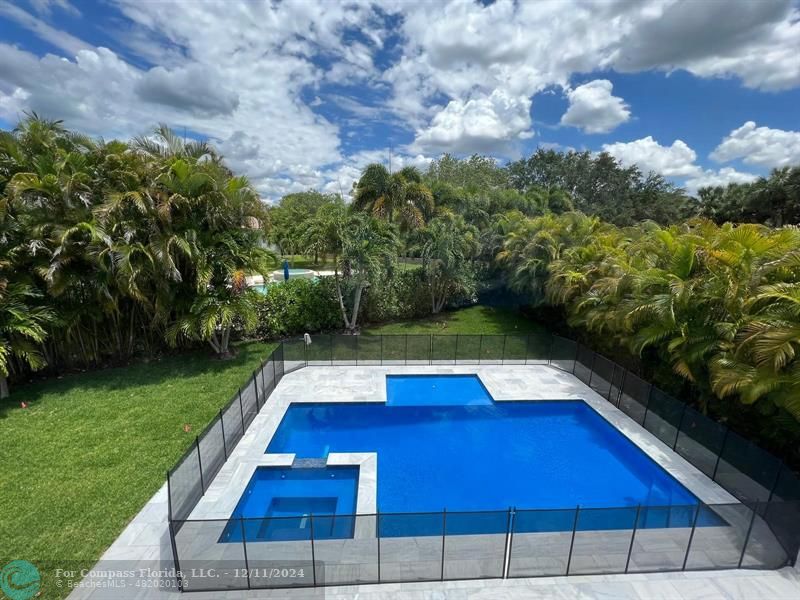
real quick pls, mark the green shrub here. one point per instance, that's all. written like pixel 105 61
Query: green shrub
pixel 406 296
pixel 298 306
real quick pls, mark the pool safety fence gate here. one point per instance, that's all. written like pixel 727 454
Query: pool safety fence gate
pixel 762 531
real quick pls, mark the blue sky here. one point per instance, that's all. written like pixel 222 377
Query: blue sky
pixel 301 95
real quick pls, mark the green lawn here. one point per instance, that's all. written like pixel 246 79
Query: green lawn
pixel 473 320
pixel 92 448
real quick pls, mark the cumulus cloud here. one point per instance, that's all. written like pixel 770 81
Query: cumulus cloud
pixel 676 160
pixel 715 38
pixel 193 88
pixel 593 109
pixel 710 178
pixel 760 146
pixel 478 125
pixel 455 75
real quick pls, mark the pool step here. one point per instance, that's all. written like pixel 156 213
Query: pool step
pixel 309 463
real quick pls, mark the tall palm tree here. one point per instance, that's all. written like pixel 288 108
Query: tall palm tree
pixel 401 195
pixel 447 246
pixel 368 250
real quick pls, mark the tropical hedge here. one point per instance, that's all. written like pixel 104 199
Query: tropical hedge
pixel 718 305
pixel 110 249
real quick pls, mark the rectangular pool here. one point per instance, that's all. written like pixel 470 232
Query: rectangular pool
pixel 443 444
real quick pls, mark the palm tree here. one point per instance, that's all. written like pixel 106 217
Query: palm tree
pixel 368 250
pixel 23 328
pixel 389 195
pixel 164 143
pixel 447 246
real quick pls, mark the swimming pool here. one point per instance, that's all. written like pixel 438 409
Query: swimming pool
pixel 473 457
pixel 444 445
pixel 286 496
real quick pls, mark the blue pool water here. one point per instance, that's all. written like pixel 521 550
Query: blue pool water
pixel 466 458
pixel 436 390
pixel 444 444
pixel 287 495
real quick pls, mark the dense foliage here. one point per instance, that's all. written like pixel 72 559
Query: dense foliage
pixel 773 200
pixel 719 304
pixel 111 248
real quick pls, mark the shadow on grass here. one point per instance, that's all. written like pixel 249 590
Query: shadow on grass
pixel 141 374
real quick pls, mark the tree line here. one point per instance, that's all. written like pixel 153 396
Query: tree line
pixel 709 310
pixel 111 249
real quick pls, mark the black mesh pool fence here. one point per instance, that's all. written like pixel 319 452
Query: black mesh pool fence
pixel 762 530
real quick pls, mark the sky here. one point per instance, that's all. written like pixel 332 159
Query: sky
pixel 300 94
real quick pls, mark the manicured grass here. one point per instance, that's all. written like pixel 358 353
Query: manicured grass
pixel 92 448
pixel 473 320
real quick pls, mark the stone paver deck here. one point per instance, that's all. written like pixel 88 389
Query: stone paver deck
pixel 145 542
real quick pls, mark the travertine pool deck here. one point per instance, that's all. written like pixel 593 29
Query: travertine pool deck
pixel 145 542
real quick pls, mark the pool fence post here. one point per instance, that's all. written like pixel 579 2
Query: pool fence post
pixel 775 483
pixel 313 557
pixel 572 540
pixel 274 372
pixel 691 535
pixel 747 537
pixel 549 350
pixel 241 409
pixel 591 369
pixel 430 348
pixel 406 359
pixel 575 360
pixel 444 531
pixel 507 549
pixel 378 535
pixel 455 354
pixel 480 348
pixel 622 386
pixel 222 426
pixel 719 454
pixel 330 341
pixel 633 536
pixel 678 428
pixel 244 549
pixel 647 406
pixel 503 355
pixel 178 576
pixel 611 383
pixel 255 383
pixel 356 350
pixel 200 464
pixel 381 350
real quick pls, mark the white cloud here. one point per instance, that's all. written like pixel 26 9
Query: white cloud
pixel 761 146
pixel 593 109
pixel 756 41
pixel 459 51
pixel 724 176
pixel 478 125
pixel 676 160
pixel 193 88
pixel 461 78
pixel 56 37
